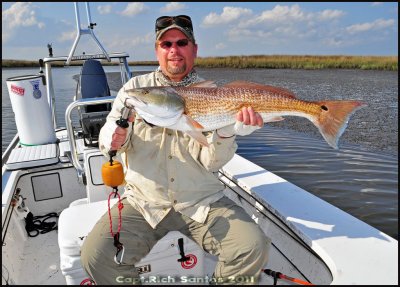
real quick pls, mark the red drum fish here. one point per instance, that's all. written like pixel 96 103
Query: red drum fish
pixel 203 107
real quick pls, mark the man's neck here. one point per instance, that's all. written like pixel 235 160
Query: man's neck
pixel 178 81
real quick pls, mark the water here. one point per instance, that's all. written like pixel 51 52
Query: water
pixel 360 178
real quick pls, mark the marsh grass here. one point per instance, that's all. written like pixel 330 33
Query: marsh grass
pixel 389 63
pixel 301 62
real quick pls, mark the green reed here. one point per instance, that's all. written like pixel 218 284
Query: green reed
pixel 301 62
pixel 389 63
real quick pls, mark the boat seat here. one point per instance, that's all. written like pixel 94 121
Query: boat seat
pixel 32 156
pixel 75 222
pixel 92 83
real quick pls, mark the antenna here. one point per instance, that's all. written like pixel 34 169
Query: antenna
pixel 81 32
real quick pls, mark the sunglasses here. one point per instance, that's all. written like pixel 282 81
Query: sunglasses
pixel 180 20
pixel 179 43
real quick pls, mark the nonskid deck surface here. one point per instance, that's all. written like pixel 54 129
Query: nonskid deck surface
pixel 40 261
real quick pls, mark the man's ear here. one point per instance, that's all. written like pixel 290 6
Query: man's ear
pixel 195 50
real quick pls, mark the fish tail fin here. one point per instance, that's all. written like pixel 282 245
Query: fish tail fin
pixel 334 118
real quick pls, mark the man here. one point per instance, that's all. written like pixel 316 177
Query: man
pixel 170 183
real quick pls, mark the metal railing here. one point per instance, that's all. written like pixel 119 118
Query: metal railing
pixel 70 130
pixel 88 31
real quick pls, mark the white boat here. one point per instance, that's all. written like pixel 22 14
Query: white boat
pixel 312 241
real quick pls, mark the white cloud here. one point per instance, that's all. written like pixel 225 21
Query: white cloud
pixel 67 36
pixel 288 16
pixel 368 26
pixel 330 14
pixel 118 41
pixel 20 14
pixel 172 6
pixel 376 4
pixel 228 15
pixel 279 25
pixel 104 9
pixel 220 46
pixel 284 13
pixel 333 42
pixel 135 8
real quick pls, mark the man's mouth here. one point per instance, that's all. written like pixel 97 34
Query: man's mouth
pixel 175 60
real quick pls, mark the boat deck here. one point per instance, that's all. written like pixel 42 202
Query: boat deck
pixel 39 258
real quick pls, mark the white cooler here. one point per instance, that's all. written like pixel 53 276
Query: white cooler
pixel 160 266
pixel 32 109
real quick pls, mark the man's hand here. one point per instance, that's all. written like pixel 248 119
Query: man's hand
pixel 247 121
pixel 119 135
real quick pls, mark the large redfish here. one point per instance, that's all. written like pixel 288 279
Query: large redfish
pixel 199 108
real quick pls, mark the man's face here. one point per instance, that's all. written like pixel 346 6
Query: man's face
pixel 176 60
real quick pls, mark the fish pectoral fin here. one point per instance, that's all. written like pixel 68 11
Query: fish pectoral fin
pixel 195 130
pixel 274 119
pixel 204 84
pixel 192 123
pixel 198 136
pixel 268 88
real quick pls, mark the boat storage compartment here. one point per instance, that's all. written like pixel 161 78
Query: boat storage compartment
pixel 159 266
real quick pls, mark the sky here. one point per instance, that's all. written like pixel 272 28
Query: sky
pixel 220 28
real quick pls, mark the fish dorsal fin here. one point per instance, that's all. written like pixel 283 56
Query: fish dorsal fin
pixel 204 84
pixel 251 85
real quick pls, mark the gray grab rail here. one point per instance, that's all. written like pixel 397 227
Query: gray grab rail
pixel 70 130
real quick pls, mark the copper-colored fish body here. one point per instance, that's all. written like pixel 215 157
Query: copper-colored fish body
pixel 214 107
pixel 206 108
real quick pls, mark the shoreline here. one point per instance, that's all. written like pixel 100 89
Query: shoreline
pixel 307 62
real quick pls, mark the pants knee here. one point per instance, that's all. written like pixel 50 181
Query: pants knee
pixel 260 249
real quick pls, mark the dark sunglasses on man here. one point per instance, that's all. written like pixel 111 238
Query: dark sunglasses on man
pixel 168 44
pixel 180 20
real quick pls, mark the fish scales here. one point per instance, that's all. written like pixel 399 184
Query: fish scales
pixel 228 101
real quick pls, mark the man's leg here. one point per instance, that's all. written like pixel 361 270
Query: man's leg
pixel 98 250
pixel 241 246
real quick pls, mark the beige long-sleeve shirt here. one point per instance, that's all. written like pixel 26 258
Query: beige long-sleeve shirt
pixel 166 168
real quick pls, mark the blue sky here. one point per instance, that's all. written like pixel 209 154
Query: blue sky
pixel 221 28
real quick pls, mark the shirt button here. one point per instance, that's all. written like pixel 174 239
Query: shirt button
pixel 170 156
pixel 172 179
pixel 175 201
pixel 165 209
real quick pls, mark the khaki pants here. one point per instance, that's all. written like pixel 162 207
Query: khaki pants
pixel 229 233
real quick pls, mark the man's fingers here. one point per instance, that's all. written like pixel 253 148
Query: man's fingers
pixel 118 138
pixel 252 116
pixel 131 118
pixel 239 116
pixel 259 119
pixel 246 117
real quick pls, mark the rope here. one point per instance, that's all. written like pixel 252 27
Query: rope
pixel 117 243
pixel 120 206
pixel 34 224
